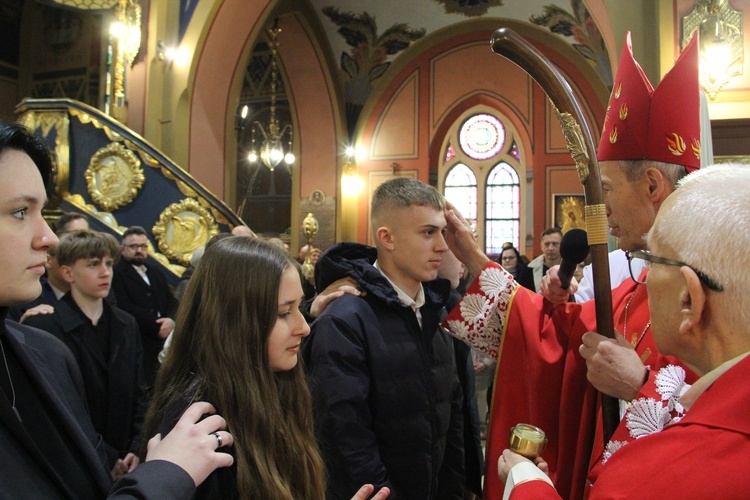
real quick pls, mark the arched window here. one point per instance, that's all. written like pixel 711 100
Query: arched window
pixel 503 222
pixel 480 171
pixel 461 190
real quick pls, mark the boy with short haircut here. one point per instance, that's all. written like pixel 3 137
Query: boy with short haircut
pixel 105 341
pixel 382 372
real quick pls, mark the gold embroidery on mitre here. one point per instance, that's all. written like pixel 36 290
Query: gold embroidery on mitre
pixel 696 146
pixel 618 90
pixel 676 145
pixel 623 111
pixel 613 136
pixel 606 116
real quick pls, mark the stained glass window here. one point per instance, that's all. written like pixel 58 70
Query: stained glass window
pixel 482 136
pixel 450 153
pixel 461 191
pixel 503 208
pixel 514 151
pixel 482 168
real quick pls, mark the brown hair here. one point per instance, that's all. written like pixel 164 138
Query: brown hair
pixel 59 224
pixel 219 353
pixel 86 244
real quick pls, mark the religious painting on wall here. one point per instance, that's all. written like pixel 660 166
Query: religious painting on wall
pixel 568 211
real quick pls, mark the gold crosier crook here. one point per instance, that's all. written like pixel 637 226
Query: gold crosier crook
pixel 507 43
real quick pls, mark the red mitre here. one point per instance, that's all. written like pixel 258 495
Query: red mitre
pixel 660 125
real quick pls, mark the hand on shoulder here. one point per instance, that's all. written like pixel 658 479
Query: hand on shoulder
pixel 193 443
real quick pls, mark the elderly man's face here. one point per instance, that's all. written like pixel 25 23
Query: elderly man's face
pixel 665 293
pixel 630 212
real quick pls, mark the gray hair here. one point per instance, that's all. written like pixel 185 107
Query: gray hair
pixel 634 169
pixel 708 226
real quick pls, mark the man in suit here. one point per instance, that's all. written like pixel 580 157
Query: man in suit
pixel 48 446
pixel 143 291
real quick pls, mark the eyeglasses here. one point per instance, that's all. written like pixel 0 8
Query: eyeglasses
pixel 646 255
pixel 509 257
pixel 137 246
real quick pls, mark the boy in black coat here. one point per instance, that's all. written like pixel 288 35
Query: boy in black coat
pixel 105 341
pixel 383 374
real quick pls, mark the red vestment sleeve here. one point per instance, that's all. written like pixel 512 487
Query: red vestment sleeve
pixel 541 377
pixel 537 490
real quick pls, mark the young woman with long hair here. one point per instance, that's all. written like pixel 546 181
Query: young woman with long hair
pixel 236 344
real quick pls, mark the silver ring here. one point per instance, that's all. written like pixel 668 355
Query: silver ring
pixel 218 438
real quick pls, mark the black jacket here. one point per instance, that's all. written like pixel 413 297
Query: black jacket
pixel 388 400
pixel 26 473
pixel 147 304
pixel 117 400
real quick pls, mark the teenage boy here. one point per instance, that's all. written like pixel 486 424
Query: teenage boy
pixel 383 373
pixel 105 341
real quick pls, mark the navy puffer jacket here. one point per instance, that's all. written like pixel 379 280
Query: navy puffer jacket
pixel 387 396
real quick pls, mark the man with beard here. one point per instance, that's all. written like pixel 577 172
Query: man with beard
pixel 142 290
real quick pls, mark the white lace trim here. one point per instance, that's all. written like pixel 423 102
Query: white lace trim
pixel 483 315
pixel 648 415
pixel 670 385
pixel 611 448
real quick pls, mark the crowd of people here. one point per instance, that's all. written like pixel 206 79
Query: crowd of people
pixel 249 385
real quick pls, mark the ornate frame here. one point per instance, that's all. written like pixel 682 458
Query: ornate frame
pixel 182 228
pixel 114 176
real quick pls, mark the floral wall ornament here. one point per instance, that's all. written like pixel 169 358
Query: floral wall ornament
pixel 367 60
pixel 182 228
pixel 114 176
pixel 469 8
pixel 581 26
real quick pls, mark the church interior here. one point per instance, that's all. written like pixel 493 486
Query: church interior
pixel 189 117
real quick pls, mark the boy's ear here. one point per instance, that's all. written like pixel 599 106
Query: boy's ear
pixel 384 235
pixel 67 274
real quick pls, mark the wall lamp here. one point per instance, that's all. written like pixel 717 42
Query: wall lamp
pixel 169 53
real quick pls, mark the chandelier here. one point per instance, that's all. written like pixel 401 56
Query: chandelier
pixel 720 42
pixel 272 150
pixel 127 28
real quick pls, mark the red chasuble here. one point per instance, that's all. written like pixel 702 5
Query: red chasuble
pixel 706 454
pixel 541 377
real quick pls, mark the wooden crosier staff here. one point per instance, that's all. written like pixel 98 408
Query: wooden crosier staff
pixel 507 43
